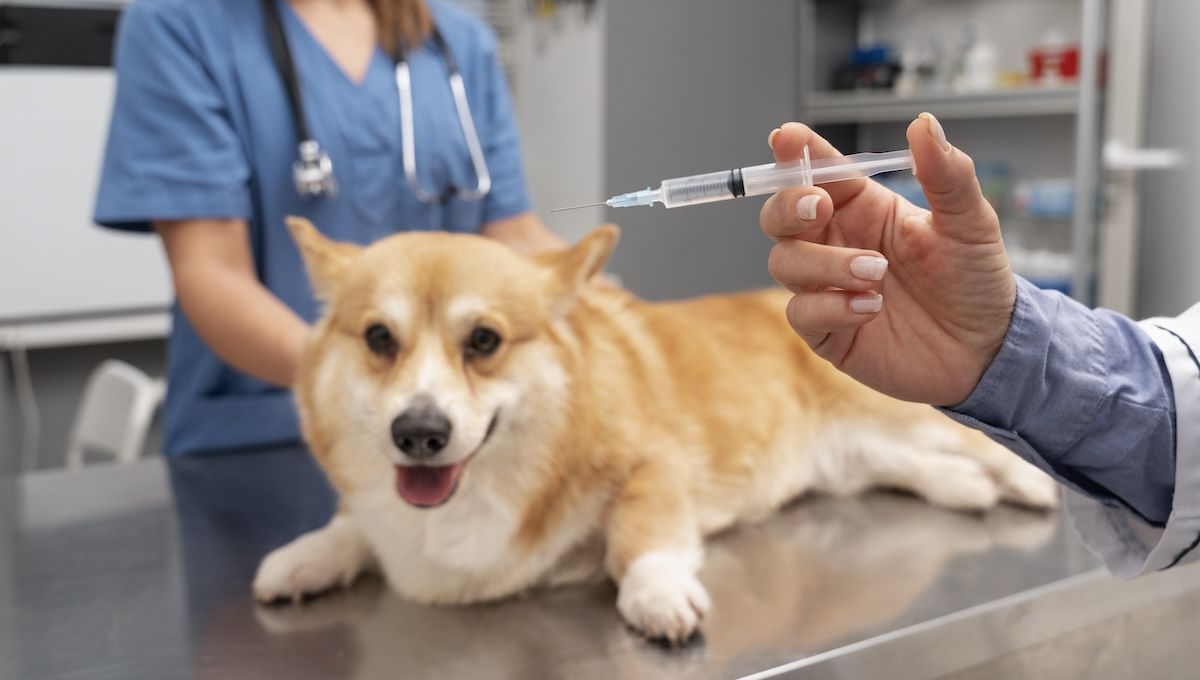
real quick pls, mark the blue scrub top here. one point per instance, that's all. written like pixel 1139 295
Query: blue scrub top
pixel 201 129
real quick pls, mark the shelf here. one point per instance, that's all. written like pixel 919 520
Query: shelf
pixel 880 107
pixel 143 325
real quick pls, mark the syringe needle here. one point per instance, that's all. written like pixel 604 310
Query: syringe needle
pixel 577 207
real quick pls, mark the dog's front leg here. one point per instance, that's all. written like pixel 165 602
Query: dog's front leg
pixel 329 557
pixel 654 552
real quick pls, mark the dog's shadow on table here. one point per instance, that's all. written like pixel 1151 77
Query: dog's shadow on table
pixel 814 576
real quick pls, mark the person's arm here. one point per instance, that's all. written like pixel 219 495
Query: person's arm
pixel 524 233
pixel 1086 396
pixel 235 315
pixel 1110 407
pixel 174 163
pixel 1126 544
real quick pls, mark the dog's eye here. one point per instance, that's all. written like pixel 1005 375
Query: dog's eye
pixel 483 341
pixel 380 340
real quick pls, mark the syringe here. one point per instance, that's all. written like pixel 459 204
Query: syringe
pixel 759 179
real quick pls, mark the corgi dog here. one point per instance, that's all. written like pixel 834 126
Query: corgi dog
pixel 494 423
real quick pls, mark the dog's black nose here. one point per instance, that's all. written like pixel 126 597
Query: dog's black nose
pixel 420 432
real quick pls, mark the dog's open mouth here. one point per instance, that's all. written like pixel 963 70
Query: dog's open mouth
pixel 428 486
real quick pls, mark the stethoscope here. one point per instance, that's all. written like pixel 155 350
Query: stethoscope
pixel 313 169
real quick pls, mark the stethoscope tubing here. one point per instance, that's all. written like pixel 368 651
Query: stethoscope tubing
pixel 314 170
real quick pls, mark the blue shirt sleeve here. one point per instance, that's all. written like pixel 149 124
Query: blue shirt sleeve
pixel 501 141
pixel 172 151
pixel 1086 396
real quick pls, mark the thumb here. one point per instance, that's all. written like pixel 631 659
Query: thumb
pixel 789 140
pixel 947 177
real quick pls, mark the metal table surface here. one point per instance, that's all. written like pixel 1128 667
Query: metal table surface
pixel 144 572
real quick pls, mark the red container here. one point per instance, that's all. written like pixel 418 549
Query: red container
pixel 1055 64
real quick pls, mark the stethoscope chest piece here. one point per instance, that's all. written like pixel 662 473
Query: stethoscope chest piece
pixel 313 171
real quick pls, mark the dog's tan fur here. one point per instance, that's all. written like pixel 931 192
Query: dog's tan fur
pixel 625 430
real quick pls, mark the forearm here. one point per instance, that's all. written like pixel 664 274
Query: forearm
pixel 242 322
pixel 1084 395
pixel 237 317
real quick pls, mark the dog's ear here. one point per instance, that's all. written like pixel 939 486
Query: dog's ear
pixel 575 265
pixel 325 260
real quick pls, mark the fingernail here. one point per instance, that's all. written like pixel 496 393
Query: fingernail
pixel 867 304
pixel 771 138
pixel 806 208
pixel 935 129
pixel 868 267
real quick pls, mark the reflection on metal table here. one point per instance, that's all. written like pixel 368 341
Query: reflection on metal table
pixel 144 572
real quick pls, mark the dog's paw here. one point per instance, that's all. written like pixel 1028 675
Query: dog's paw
pixel 308 565
pixel 661 597
pixel 1026 485
pixel 960 484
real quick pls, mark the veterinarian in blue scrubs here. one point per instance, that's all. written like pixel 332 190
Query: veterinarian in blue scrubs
pixel 201 149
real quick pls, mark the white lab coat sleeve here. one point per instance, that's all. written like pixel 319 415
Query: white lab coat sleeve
pixel 1128 546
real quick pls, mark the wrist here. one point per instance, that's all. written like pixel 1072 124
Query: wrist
pixel 1049 335
pixel 997 333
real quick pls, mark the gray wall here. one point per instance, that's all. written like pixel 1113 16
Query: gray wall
pixel 1169 280
pixel 693 86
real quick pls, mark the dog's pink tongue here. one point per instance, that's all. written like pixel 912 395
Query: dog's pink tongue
pixel 427 486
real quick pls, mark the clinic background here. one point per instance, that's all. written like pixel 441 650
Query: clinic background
pixel 614 95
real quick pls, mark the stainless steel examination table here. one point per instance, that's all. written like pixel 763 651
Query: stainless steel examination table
pixel 144 572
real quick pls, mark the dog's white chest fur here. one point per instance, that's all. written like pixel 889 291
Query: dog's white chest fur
pixel 442 553
pixel 464 551
pixel 469 534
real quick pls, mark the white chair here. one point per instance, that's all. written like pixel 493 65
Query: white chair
pixel 118 406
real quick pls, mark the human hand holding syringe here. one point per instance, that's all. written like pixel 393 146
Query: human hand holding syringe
pixel 912 302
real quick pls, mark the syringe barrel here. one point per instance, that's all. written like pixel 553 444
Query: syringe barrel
pixel 697 189
pixel 773 177
pixel 764 179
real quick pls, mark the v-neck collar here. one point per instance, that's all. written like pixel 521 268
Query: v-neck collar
pixel 302 28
